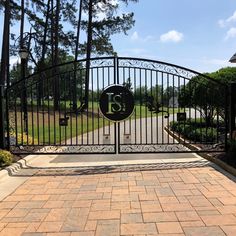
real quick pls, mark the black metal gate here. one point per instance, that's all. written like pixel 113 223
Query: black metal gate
pixel 176 110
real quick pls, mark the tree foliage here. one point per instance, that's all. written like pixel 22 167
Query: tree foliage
pixel 207 93
pixel 52 25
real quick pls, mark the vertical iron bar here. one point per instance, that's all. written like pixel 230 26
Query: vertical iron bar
pixel 92 101
pixel 168 101
pixel 71 107
pixel 82 114
pixel 49 126
pixel 162 104
pixel 103 86
pixel 179 89
pixel 43 85
pixel 151 111
pixel 65 108
pixel 97 102
pixel 146 109
pixel 76 116
pixel 37 104
pixel 141 104
pixel 7 121
pixel 184 106
pixel 123 80
pixel 157 114
pixel 32 114
pixel 16 122
pixel 116 126
pixel 135 113
pixel 173 94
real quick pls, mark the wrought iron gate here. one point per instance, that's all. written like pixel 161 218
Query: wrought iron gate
pixel 176 110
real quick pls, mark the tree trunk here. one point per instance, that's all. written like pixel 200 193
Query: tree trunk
pixel 56 56
pixel 89 48
pixel 76 58
pixel 41 64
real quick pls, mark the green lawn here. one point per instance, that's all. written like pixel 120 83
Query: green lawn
pixel 43 128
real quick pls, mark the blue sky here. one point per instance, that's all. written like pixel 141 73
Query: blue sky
pixel 199 35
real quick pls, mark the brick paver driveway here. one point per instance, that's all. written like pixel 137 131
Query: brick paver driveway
pixel 198 200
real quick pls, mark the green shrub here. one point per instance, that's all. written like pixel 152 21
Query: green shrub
pixel 196 132
pixel 6 158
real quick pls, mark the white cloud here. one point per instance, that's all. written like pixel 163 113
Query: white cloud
pixel 172 36
pixel 135 37
pixel 231 19
pixel 231 33
pixel 103 7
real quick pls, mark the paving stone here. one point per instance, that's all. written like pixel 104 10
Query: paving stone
pixel 53 204
pixel 228 200
pixel 50 227
pixel 159 217
pixel 164 192
pixel 230 230
pixel 203 231
pixel 191 223
pixel 35 216
pixel 33 226
pixel 127 218
pixel 148 197
pixel 120 205
pixel 168 200
pixel 103 215
pixel 169 228
pixel 7 205
pixel 177 207
pixel 219 220
pixel 59 234
pixel 34 234
pixel 83 233
pixel 138 228
pixel 57 215
pixel 108 227
pixel 150 206
pixel 91 225
pixel 187 216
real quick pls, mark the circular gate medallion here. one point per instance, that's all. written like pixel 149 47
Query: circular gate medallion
pixel 116 103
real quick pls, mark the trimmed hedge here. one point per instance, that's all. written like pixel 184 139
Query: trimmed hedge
pixel 195 131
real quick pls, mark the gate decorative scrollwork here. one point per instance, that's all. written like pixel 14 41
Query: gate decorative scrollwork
pixel 162 93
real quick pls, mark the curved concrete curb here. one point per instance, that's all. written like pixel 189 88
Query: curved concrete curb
pixel 15 167
pixel 208 157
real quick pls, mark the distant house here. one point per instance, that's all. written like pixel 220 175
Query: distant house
pixel 173 102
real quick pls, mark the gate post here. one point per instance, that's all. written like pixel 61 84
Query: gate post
pixel 4 77
pixel 232 111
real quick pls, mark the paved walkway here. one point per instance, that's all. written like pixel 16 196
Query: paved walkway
pixel 165 197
